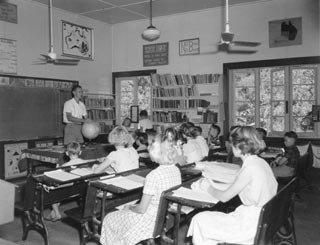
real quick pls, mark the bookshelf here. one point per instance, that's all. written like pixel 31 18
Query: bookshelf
pixel 101 108
pixel 176 98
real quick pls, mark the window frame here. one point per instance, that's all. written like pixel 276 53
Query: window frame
pixel 124 74
pixel 228 88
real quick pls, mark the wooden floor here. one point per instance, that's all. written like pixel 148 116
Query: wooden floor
pixel 307 221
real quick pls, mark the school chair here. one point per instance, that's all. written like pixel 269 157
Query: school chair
pixel 300 173
pixel 159 230
pixel 276 213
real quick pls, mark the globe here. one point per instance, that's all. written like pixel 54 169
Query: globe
pixel 90 130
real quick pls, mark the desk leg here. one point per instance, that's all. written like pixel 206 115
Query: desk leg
pixel 177 225
pixel 29 167
pixel 33 220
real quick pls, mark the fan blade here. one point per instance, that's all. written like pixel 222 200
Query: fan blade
pixel 230 51
pixel 66 62
pixel 245 43
pixel 46 56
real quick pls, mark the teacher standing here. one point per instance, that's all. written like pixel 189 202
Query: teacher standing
pixel 74 114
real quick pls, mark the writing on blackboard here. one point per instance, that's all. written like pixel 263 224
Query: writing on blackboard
pixel 155 54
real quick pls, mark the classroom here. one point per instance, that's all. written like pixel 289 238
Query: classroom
pixel 159 122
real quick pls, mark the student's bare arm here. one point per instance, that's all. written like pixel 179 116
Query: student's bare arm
pixel 142 207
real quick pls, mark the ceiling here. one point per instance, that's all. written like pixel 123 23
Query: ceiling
pixel 118 11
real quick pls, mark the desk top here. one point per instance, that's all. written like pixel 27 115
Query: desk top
pixel 187 173
pixel 56 154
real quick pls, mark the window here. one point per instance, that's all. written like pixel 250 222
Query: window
pixel 276 98
pixel 133 91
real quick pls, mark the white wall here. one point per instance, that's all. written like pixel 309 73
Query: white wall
pixel 248 21
pixel 32 35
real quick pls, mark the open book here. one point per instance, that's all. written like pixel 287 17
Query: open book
pixel 60 175
pixel 194 195
pixel 129 182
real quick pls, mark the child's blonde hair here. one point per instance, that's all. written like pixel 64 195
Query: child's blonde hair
pixel 74 148
pixel 119 136
pixel 163 152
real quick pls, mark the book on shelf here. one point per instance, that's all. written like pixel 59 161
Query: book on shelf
pixel 183 79
pixel 180 104
pixel 168 117
pixel 105 128
pixel 100 114
pixel 98 102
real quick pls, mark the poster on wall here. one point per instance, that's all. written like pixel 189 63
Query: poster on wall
pixel 8 12
pixel 8 56
pixel 12 155
pixel 77 41
pixel 156 54
pixel 285 32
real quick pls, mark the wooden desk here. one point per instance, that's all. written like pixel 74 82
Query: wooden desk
pixel 118 197
pixel 55 155
pixel 42 191
pixel 177 214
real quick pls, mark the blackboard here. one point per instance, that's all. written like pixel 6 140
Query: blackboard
pixel 156 54
pixel 30 112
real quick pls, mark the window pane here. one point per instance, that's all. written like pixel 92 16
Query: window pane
pixel 303 92
pixel 246 112
pixel 278 124
pixel 127 98
pixel 303 76
pixel 278 77
pixel 245 121
pixel 278 108
pixel 144 93
pixel 245 94
pixel 302 108
pixel 278 93
pixel 244 78
pixel 298 125
pixel 265 98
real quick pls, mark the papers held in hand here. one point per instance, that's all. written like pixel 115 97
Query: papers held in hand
pixel 219 171
pixel 129 182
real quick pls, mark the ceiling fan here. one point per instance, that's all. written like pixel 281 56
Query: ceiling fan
pixel 227 36
pixel 51 57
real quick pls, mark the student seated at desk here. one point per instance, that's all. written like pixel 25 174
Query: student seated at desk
pixel 262 134
pixel 201 140
pixel 124 158
pixel 255 184
pixel 213 136
pixel 136 222
pixel 142 143
pixel 73 152
pixel 192 149
pixel 285 166
pixel 173 137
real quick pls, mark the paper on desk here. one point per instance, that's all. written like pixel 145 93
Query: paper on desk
pixel 60 175
pixel 194 195
pixel 222 172
pixel 82 171
pixel 125 182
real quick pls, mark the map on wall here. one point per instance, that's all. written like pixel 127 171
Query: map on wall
pixel 8 56
pixel 77 41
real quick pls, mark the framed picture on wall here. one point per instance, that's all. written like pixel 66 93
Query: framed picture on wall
pixel 12 157
pixel 189 46
pixel 285 32
pixel 77 41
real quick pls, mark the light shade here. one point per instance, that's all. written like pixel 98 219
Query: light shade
pixel 227 37
pixel 151 33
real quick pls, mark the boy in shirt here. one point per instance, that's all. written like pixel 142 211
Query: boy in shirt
pixel 286 165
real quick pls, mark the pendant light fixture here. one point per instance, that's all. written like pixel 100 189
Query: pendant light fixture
pixel 151 33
